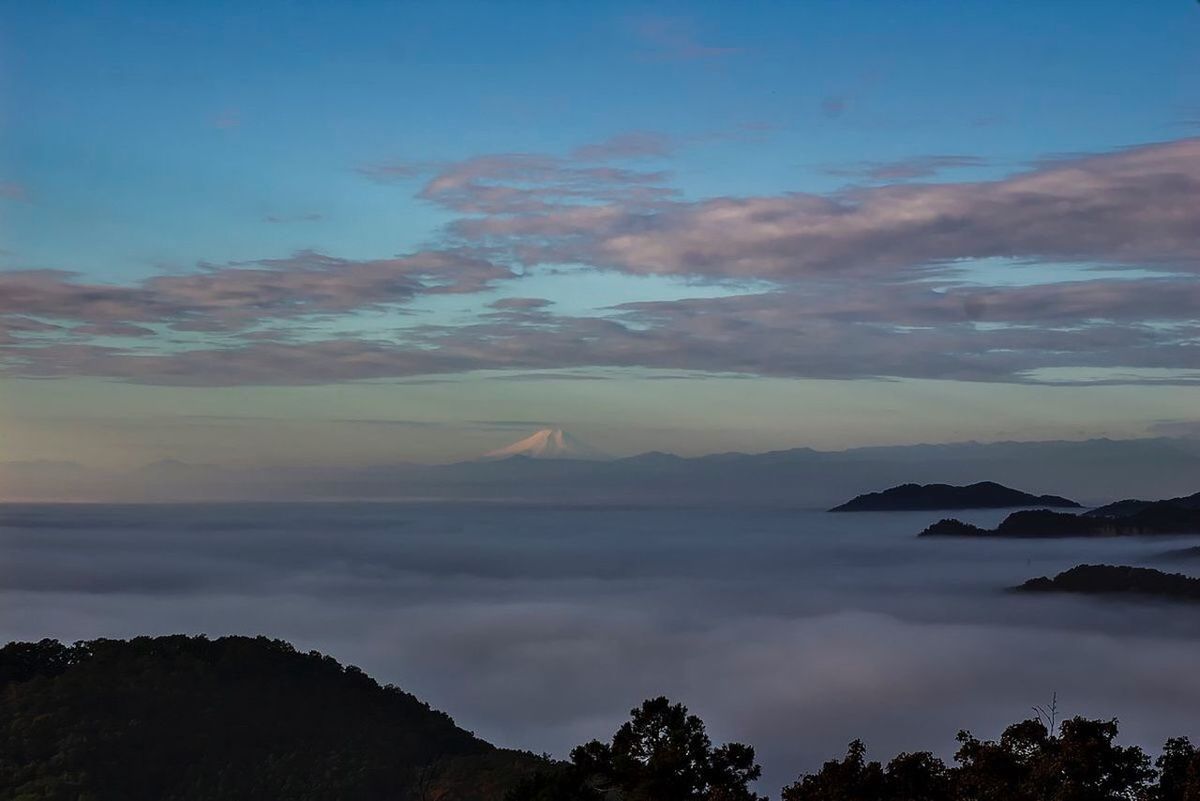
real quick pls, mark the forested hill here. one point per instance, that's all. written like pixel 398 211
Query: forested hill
pixel 252 719
pixel 187 718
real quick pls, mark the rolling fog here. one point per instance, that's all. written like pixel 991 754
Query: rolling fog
pixel 539 627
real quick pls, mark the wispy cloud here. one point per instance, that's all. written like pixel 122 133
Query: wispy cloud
pixel 674 38
pixel 631 145
pixel 236 296
pixel 1130 206
pixel 311 216
pixel 903 169
pixel 521 304
pixel 227 119
pixel 394 172
pixel 11 190
pixel 834 105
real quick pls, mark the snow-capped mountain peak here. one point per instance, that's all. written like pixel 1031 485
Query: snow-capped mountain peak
pixel 549 443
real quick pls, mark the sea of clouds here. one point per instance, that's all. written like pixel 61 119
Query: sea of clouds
pixel 539 627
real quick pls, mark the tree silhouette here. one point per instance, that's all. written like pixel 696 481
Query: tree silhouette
pixel 661 754
pixel 1028 763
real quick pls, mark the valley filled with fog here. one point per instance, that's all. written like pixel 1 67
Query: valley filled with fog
pixel 540 626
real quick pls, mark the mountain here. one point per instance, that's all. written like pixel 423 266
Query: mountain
pixel 982 495
pixel 549 443
pixel 190 718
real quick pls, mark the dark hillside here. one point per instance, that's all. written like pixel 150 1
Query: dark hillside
pixel 188 718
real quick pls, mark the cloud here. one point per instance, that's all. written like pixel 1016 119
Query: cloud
pixel 525 183
pixel 227 119
pixel 833 106
pixel 521 304
pixel 387 173
pixel 1131 206
pixel 632 145
pixel 112 330
pixel 865 283
pixel 915 167
pixel 832 331
pixel 309 217
pixel 10 190
pixel 672 38
pixel 15 329
pixel 236 296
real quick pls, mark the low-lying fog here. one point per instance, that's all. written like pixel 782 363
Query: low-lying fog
pixel 540 627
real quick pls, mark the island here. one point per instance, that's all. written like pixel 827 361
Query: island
pixel 919 497
pixel 1153 518
pixel 1118 580
pixel 1132 506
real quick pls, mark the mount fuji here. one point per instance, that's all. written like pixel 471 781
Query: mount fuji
pixel 549 443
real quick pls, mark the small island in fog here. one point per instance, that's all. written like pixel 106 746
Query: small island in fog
pixel 1123 519
pixel 1118 580
pixel 918 497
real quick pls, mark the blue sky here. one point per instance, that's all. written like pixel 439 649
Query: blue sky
pixel 144 141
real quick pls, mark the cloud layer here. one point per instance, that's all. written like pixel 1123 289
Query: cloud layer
pixel 867 282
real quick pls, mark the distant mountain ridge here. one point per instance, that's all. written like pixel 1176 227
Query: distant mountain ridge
pixel 918 497
pixel 1093 471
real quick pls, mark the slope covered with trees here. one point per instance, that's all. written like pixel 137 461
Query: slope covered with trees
pixel 187 718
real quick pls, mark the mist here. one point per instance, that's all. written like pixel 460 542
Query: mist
pixel 539 627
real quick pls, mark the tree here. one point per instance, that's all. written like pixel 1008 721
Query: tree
pixel 917 776
pixel 850 779
pixel 1081 762
pixel 1179 772
pixel 661 754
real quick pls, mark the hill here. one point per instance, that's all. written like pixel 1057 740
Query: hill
pixel 981 495
pixel 188 718
pixel 1132 506
pixel 1118 580
pixel 1157 518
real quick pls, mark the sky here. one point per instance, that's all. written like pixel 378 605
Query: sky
pixel 319 233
